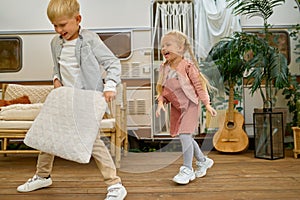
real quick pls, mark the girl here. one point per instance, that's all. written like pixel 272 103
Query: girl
pixel 182 85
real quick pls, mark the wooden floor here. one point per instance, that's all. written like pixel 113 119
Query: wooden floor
pixel 147 176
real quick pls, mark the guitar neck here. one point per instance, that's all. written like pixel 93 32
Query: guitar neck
pixel 230 104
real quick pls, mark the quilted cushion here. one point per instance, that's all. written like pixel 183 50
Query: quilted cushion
pixel 36 93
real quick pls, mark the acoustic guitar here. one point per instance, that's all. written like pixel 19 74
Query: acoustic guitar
pixel 231 137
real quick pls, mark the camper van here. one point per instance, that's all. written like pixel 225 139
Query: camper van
pixel 132 29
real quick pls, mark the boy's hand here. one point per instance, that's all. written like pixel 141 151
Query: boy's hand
pixel 109 95
pixel 57 83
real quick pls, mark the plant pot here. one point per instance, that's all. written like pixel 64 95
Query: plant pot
pixel 268 134
pixel 275 110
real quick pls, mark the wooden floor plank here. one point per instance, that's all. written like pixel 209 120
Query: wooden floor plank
pixel 149 176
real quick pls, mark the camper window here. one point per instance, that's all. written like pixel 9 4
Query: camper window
pixel 118 42
pixel 10 54
pixel 279 39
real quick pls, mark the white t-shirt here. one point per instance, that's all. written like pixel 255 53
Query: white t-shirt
pixel 69 67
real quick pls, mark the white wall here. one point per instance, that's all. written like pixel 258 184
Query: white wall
pixel 30 15
pixel 16 15
pixel 284 15
pixel 27 19
pixel 115 13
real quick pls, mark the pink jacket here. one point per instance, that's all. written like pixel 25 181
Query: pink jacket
pixel 188 76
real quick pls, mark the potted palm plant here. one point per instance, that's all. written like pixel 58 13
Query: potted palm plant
pixel 269 74
pixel 269 71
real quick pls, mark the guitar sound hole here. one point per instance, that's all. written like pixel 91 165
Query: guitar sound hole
pixel 230 125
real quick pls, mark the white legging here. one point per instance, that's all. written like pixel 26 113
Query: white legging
pixel 190 148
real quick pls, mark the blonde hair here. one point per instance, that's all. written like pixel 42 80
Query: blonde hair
pixel 183 41
pixel 59 8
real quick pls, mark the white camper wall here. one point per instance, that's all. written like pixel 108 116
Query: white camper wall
pixel 28 20
pixel 26 15
pixel 115 13
pixel 30 15
pixel 284 15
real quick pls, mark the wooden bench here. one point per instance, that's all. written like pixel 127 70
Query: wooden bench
pixel 114 126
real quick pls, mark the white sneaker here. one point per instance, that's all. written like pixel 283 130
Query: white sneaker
pixel 203 166
pixel 184 176
pixel 116 192
pixel 34 183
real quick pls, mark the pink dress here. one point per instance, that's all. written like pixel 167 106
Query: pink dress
pixel 184 113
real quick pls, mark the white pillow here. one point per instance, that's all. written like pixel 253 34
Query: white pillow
pixel 68 123
pixel 20 112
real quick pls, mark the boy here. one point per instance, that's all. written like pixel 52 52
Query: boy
pixel 80 60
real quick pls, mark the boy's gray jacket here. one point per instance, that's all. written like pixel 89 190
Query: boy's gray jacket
pixel 95 60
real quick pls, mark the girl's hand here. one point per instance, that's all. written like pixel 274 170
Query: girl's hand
pixel 211 110
pixel 160 106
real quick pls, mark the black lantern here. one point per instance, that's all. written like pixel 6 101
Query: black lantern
pixel 268 135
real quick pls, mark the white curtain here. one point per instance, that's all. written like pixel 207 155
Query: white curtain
pixel 213 21
pixel 173 16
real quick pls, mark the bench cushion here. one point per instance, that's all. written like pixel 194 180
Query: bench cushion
pixel 19 112
pixel 107 123
pixel 7 125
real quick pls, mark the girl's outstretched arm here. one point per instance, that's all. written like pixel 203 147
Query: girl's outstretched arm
pixel 211 110
pixel 160 107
